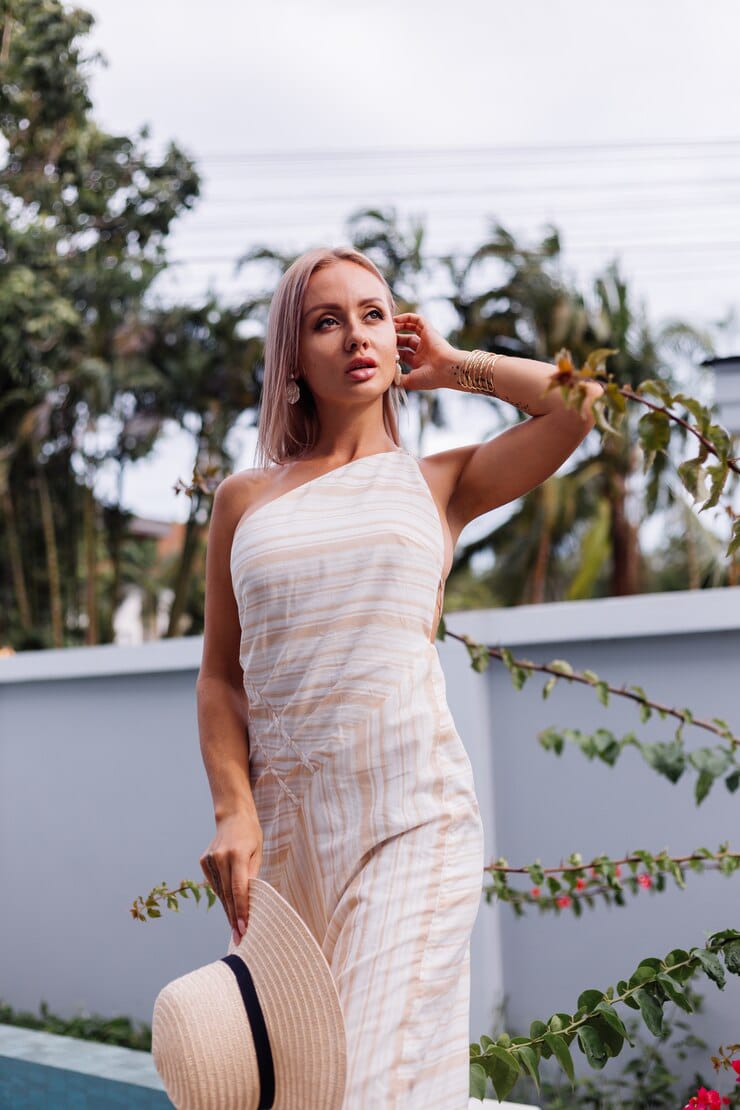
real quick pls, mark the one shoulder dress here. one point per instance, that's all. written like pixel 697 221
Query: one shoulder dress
pixel 364 791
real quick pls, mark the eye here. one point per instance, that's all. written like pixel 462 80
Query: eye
pixel 322 321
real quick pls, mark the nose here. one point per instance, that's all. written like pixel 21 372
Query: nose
pixel 355 338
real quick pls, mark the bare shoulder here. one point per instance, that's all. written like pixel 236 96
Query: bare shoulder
pixel 234 494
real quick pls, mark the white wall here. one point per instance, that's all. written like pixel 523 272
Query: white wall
pixel 103 795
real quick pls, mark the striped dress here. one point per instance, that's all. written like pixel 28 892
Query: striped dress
pixel 364 790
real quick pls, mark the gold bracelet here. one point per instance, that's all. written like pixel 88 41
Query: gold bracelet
pixel 475 373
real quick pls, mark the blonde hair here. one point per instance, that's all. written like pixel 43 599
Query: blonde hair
pixel 286 430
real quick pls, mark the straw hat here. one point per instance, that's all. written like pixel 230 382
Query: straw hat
pixel 261 1027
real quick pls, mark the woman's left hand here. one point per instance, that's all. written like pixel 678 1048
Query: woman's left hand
pixel 427 353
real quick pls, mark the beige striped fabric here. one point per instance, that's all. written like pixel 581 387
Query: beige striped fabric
pixel 365 793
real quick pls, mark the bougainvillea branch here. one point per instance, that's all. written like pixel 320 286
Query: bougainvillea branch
pixel 577 882
pixel 144 908
pixel 595 1025
pixel 670 759
pixel 654 427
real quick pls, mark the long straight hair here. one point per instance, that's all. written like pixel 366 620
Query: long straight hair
pixel 286 430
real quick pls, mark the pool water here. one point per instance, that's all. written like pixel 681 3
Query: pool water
pixel 27 1086
pixel 45 1071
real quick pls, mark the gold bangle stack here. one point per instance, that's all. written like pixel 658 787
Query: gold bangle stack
pixel 475 373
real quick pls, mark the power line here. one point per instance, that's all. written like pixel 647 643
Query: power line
pixel 490 190
pixel 412 166
pixel 244 224
pixel 514 149
pixel 600 246
pixel 646 210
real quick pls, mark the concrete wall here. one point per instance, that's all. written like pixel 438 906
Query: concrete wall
pixel 103 795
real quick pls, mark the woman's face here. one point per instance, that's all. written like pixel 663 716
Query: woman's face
pixel 359 324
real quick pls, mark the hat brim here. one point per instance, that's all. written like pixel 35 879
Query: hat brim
pixel 299 999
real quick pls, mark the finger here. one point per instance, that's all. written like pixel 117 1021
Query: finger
pixel 409 321
pixel 240 894
pixel 219 882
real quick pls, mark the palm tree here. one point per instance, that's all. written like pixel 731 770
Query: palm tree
pixel 532 312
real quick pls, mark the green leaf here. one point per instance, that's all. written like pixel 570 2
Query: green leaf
pixel 657 388
pixel 588 1000
pixel 603 692
pixel 643 974
pixel 592 1046
pixel 606 745
pixel 711 964
pixel 613 1038
pixel 536 873
pixel 666 759
pixel 714 760
pixel 503 1069
pixel 689 473
pixel 611 1017
pixel 478 1081
pixel 561 1052
pixel 547 688
pixel 531 1063
pixel 733 781
pixel 704 784
pixel 652 963
pixel 537 1029
pixel 671 988
pixel 561 665
pixel 651 1010
pixel 731 954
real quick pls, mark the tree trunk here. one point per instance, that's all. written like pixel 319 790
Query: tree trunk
pixel 52 558
pixel 538 580
pixel 16 560
pixel 185 570
pixel 91 568
pixel 623 536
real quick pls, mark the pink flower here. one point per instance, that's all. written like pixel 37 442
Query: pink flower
pixel 580 883
pixel 735 1064
pixel 563 900
pixel 644 880
pixel 617 870
pixel 535 892
pixel 706 1100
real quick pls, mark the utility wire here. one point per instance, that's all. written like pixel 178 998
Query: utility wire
pixel 511 150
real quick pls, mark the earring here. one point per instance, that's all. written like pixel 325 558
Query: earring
pixel 292 391
pixel 398 379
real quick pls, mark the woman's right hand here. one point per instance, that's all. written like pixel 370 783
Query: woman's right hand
pixel 233 857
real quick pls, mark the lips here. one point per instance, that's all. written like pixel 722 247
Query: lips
pixel 358 363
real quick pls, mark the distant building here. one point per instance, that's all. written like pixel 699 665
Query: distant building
pixel 134 622
pixel 727 390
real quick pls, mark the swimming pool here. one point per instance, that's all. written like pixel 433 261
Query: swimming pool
pixel 44 1071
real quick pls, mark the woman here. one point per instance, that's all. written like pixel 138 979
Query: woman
pixel 336 770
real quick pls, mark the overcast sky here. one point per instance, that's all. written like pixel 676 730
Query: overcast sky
pixel 618 122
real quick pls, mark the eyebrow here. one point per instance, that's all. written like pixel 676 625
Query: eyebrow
pixel 338 307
